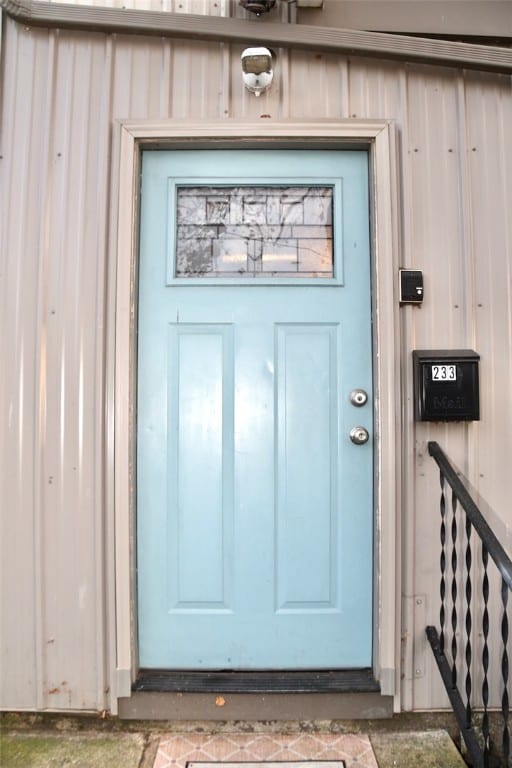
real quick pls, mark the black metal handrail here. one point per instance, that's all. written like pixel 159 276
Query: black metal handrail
pixel 450 660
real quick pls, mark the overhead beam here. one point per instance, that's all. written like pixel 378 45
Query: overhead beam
pixel 274 34
pixel 448 18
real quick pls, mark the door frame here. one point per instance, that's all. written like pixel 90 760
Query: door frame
pixel 379 138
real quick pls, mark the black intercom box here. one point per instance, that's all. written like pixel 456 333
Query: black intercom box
pixel 446 385
pixel 411 286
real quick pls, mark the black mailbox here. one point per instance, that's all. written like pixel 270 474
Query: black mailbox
pixel 446 385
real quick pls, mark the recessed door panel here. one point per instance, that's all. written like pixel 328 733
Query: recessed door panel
pixel 306 466
pixel 200 460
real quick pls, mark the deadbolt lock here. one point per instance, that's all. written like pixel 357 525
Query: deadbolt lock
pixel 358 397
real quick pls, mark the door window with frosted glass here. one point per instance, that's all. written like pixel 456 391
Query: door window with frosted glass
pixel 254 231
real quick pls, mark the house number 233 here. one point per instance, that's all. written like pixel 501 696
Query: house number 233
pixel 444 373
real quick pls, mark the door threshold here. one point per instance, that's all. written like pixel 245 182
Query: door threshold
pixel 320 681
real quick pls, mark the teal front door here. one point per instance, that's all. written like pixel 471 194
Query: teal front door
pixel 254 504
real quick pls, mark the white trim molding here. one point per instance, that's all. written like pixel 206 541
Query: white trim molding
pixel 379 138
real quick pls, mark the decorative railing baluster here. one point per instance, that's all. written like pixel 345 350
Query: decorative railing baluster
pixel 454 591
pixel 504 671
pixel 468 623
pixel 446 650
pixel 485 656
pixel 442 589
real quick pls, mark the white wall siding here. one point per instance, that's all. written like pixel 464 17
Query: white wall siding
pixel 62 92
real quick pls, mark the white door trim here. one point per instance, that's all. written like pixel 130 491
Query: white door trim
pixel 379 137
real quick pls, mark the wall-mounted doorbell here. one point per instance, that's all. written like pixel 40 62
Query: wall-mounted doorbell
pixel 411 286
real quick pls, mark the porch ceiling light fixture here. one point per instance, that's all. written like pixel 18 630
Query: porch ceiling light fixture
pixel 257 72
pixel 257 6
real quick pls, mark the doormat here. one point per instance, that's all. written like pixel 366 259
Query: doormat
pixel 300 750
pixel 277 764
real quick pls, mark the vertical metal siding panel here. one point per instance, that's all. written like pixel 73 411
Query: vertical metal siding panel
pixel 60 398
pixel 471 221
pixel 489 107
pixel 197 79
pixel 165 81
pixel 317 85
pixel 434 207
pixel 374 87
pixel 71 472
pixel 60 569
pixel 180 76
pixel 409 632
pixel 430 109
pixel 434 210
pixel 100 127
pixel 159 79
pixel 490 158
pixel 57 148
pixel 441 217
pixel 18 679
pixel 203 7
pixel 442 209
pixel 122 68
pixel 133 86
pixel 23 150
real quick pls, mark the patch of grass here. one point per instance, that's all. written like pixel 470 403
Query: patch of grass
pixel 22 750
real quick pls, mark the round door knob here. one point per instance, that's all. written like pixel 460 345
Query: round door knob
pixel 359 435
pixel 358 397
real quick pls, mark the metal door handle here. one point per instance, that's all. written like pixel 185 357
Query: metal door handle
pixel 359 435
